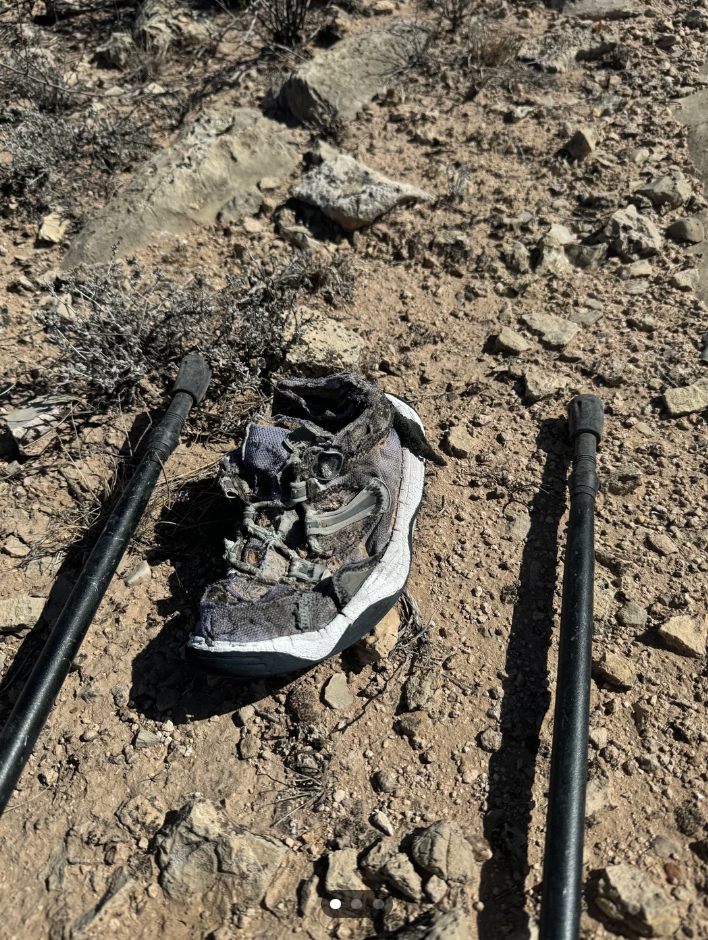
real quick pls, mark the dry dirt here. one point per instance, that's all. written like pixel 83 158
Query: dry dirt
pixel 489 545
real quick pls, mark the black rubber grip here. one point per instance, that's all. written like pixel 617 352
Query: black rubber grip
pixel 586 416
pixel 193 377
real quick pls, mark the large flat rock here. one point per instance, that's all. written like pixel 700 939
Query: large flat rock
pixel 340 81
pixel 213 166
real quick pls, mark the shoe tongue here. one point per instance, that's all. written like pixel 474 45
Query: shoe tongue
pixel 263 457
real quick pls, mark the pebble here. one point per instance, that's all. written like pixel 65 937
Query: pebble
pixel 20 612
pixel 244 715
pixel 53 228
pixel 337 693
pixel 145 738
pixel 629 897
pixel 435 889
pixel 661 543
pixel 509 341
pixel 685 635
pixel 517 526
pixel 443 850
pixel 687 400
pixel 342 873
pixel 140 573
pixel 688 230
pixel 490 740
pixel 13 547
pixel 663 847
pixel 420 688
pixel 541 384
pixel 379 644
pixel 380 820
pixel 458 442
pixel 632 615
pixel 249 746
pixel 582 143
pixel 615 669
pixel 685 280
pixel 555 331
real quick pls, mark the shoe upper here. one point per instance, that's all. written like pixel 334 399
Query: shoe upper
pixel 317 485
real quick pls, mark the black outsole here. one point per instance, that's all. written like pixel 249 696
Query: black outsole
pixel 262 664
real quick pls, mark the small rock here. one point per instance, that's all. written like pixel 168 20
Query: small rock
pixel 379 644
pixel 687 400
pixel 604 596
pixel 53 228
pixel 438 925
pixel 510 342
pixel 337 693
pixel 119 50
pixel 518 259
pixel 641 268
pixel 518 526
pixel 435 889
pixel 685 280
pixel 632 235
pixel 244 715
pixel 541 384
pixel 141 816
pixel 420 688
pixel 21 612
pixel 586 257
pixel 352 194
pixel 661 543
pixel 342 874
pixel 141 572
pixel 623 482
pixel 685 635
pixel 663 847
pixel 598 800
pixel 121 694
pixel 384 781
pixel 672 191
pixel 13 547
pixel 458 442
pixel 145 738
pixel 596 10
pixel 615 669
pixel 627 896
pixel 555 331
pixel 443 850
pixel 690 231
pixel 639 156
pixel 490 740
pixel 249 746
pixel 582 143
pixel 113 905
pixel 383 863
pixel 632 615
pixel 324 346
pixel 382 822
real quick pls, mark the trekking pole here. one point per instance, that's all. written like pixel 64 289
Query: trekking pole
pixel 46 679
pixel 565 827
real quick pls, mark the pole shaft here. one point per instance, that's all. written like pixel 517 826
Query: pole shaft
pixel 565 829
pixel 41 689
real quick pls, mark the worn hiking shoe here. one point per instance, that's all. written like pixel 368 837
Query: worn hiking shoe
pixel 329 489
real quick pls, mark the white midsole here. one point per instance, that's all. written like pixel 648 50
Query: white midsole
pixel 387 579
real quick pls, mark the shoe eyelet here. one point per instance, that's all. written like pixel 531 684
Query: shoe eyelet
pixel 329 464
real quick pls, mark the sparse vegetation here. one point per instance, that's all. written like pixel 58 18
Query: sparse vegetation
pixel 120 326
pixel 283 21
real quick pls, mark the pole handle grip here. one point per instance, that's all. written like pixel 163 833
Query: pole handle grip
pixel 193 377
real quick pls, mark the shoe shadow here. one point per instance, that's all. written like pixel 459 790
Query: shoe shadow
pixel 190 534
pixel 507 821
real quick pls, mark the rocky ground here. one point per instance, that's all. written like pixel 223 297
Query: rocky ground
pixel 487 208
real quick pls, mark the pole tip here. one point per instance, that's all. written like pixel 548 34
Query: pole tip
pixel 193 377
pixel 586 415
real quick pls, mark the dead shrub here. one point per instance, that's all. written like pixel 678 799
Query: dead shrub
pixel 119 326
pixel 283 21
pixel 453 12
pixel 491 52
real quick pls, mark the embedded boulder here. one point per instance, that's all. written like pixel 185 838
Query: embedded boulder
pixel 340 81
pixel 212 167
pixel 200 851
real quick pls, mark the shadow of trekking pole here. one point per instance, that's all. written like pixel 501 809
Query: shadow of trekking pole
pixel 526 700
